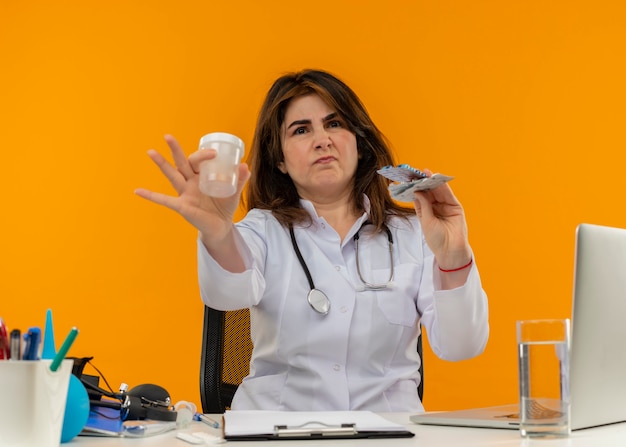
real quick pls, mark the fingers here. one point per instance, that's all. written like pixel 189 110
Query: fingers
pixel 196 158
pixel 158 198
pixel 423 206
pixel 180 159
pixel 441 194
pixel 244 175
pixel 175 177
pixel 435 203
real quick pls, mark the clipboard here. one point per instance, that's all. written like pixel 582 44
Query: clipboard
pixel 308 425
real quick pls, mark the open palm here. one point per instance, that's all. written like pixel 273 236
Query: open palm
pixel 211 216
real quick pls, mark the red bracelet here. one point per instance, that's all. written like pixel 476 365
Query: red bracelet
pixel 459 268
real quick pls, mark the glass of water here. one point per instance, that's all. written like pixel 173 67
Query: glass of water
pixel 543 356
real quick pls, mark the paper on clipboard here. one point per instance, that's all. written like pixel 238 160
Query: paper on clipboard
pixel 250 425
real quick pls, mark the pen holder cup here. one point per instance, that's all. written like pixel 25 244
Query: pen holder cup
pixel 33 402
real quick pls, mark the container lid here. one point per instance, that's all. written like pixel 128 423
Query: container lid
pixel 221 137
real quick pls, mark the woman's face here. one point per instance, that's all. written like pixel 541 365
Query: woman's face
pixel 320 153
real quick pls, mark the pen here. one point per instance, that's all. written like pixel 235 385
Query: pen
pixel 67 344
pixel 31 347
pixel 16 344
pixel 207 420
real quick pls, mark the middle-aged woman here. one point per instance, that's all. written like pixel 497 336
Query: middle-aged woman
pixel 320 217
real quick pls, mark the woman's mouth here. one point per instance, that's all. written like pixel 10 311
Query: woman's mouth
pixel 325 160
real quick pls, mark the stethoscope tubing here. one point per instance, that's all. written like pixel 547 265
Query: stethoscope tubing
pixel 318 299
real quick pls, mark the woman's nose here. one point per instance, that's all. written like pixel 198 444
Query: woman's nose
pixel 322 139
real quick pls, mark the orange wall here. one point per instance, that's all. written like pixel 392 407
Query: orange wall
pixel 522 101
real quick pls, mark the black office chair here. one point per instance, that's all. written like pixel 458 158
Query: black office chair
pixel 225 359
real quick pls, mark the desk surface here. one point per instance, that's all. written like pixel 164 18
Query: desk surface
pixel 425 436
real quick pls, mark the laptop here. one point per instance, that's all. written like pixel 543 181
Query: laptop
pixel 598 343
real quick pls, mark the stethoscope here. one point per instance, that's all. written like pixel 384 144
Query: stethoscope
pixel 318 299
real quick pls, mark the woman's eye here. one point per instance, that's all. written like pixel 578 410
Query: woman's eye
pixel 335 123
pixel 299 131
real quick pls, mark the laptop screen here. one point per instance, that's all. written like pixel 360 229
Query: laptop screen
pixel 598 358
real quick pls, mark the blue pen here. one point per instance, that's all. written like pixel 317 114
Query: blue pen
pixel 32 340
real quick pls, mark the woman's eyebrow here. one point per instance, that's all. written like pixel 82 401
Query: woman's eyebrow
pixel 330 116
pixel 308 121
pixel 298 123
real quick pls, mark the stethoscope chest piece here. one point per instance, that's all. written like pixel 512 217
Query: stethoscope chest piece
pixel 318 301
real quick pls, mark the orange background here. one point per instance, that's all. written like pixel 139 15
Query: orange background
pixel 523 101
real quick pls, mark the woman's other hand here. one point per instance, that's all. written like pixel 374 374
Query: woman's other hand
pixel 443 222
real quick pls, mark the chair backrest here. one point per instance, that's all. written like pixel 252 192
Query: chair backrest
pixel 225 358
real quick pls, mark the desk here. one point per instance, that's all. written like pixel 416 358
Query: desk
pixel 425 436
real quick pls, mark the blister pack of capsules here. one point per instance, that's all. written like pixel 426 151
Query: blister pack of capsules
pixel 408 180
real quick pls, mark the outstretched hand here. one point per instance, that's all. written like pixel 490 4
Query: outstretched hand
pixel 443 222
pixel 213 217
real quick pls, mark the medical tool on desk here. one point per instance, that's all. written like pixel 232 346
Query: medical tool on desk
pixel 207 420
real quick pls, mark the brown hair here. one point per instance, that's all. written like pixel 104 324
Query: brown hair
pixel 270 189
